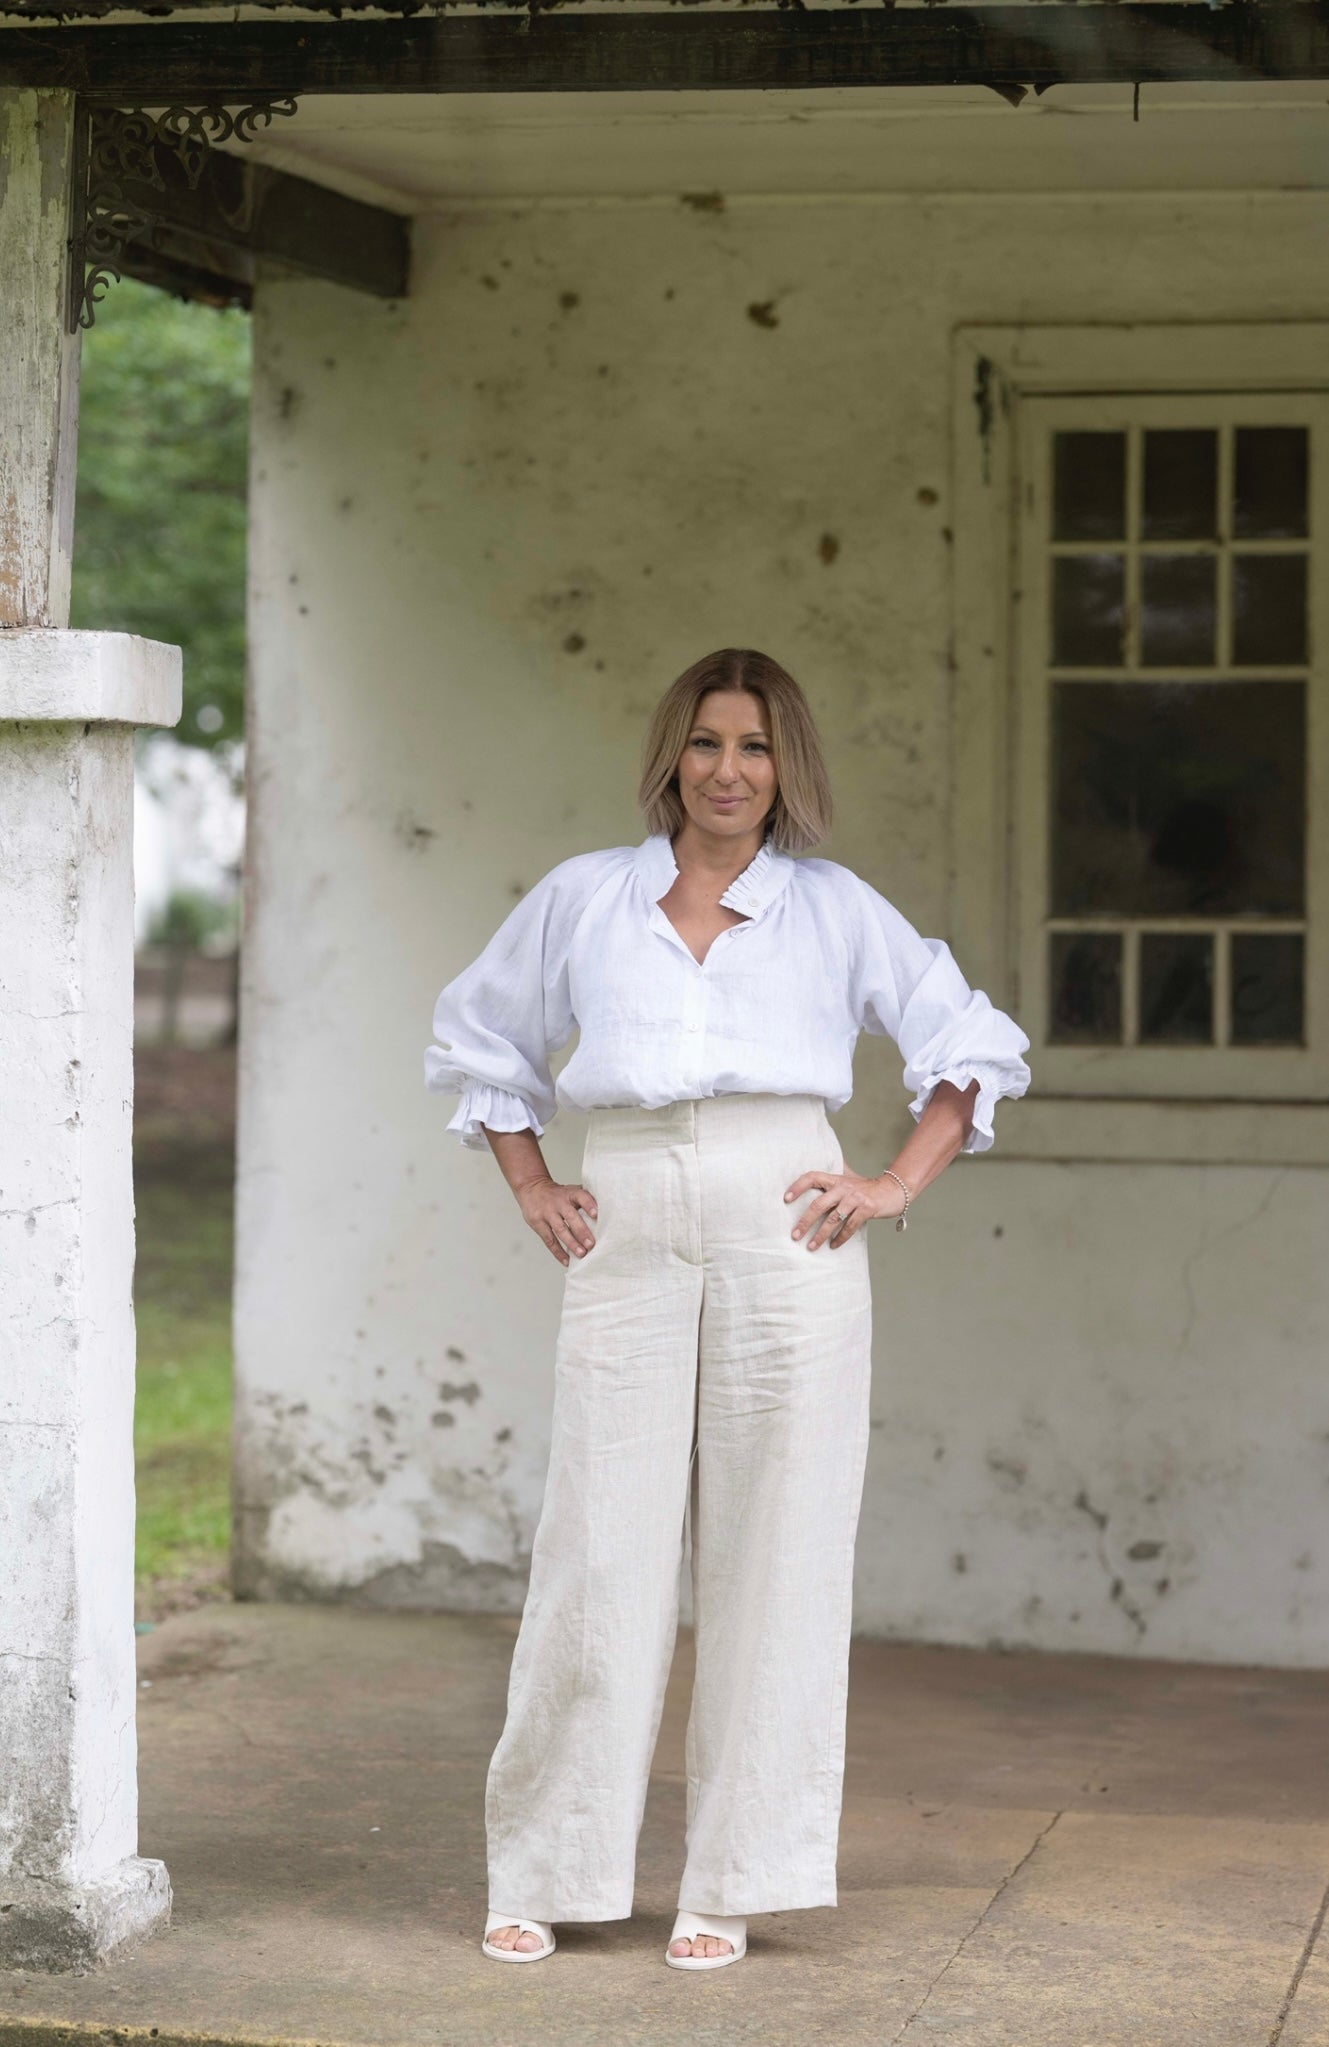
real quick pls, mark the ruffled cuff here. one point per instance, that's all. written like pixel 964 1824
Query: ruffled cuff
pixel 994 1081
pixel 499 1107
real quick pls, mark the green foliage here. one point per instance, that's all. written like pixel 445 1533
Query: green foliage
pixel 188 919
pixel 159 533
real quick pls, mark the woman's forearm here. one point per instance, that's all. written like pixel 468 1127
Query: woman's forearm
pixel 558 1214
pixel 520 1159
pixel 937 1137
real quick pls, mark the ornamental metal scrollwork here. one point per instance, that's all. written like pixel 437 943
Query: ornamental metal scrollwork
pixel 119 145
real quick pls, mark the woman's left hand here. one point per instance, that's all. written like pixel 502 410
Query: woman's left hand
pixel 844 1195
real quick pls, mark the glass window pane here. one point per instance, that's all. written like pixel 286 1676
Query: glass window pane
pixel 1088 596
pixel 1268 1001
pixel 1177 610
pixel 1089 486
pixel 1268 608
pixel 1270 483
pixel 1086 988
pixel 1176 988
pixel 1180 484
pixel 1178 799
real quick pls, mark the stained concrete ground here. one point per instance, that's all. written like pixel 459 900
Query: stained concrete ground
pixel 1037 1851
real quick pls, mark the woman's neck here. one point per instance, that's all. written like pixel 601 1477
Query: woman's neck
pixel 712 860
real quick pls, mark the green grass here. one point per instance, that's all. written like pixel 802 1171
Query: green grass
pixel 182 1417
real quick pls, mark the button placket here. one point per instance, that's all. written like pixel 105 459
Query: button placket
pixel 694 1024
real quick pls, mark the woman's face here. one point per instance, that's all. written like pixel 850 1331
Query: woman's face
pixel 726 773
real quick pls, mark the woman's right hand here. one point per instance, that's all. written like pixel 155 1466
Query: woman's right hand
pixel 554 1212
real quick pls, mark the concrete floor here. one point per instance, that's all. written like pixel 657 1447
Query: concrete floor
pixel 1037 1851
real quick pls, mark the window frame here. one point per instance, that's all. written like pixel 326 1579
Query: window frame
pixel 1253 1104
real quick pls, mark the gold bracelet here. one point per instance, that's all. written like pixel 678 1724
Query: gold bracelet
pixel 900 1222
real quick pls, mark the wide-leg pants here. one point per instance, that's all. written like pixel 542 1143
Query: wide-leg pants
pixel 711 1379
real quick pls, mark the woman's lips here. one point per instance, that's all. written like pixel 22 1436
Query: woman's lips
pixel 727 802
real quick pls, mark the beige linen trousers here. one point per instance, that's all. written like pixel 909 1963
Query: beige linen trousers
pixel 710 1398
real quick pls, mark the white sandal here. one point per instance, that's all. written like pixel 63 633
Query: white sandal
pixel 514 1954
pixel 689 1925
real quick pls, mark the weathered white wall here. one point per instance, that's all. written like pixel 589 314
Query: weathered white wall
pixel 490 524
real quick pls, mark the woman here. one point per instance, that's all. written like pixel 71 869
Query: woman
pixel 712 1371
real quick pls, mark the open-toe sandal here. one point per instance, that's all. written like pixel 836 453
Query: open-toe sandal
pixel 516 1954
pixel 689 1925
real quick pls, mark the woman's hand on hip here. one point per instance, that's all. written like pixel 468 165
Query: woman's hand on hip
pixel 554 1212
pixel 844 1202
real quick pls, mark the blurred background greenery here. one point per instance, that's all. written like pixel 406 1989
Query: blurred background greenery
pixel 160 515
pixel 159 549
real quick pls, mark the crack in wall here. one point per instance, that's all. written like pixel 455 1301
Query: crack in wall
pixel 1116 1584
pixel 1208 1243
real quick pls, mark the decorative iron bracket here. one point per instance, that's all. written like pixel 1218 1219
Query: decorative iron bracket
pixel 118 146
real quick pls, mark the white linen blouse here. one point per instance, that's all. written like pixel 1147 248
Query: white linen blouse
pixel 775 1007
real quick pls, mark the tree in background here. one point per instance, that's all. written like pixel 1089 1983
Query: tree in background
pixel 160 513
pixel 159 530
pixel 184 925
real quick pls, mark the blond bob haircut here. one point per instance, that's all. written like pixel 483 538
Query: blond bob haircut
pixel 800 816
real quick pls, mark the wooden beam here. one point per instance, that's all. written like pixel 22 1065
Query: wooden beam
pixel 207 284
pixel 756 49
pixel 39 361
pixel 251 210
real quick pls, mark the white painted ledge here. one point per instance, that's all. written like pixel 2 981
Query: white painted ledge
pixel 1080 1130
pixel 48 674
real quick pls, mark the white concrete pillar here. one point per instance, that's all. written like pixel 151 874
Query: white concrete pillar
pixel 72 1885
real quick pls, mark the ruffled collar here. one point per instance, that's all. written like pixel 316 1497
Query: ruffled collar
pixel 749 893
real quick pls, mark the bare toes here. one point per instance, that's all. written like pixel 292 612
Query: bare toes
pixel 509 1937
pixel 703 1947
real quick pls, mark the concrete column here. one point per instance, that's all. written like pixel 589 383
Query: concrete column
pixel 72 1885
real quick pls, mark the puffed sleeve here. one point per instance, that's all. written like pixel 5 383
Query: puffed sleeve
pixel 497 1022
pixel 910 988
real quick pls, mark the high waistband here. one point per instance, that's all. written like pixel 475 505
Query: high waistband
pixel 678 1121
